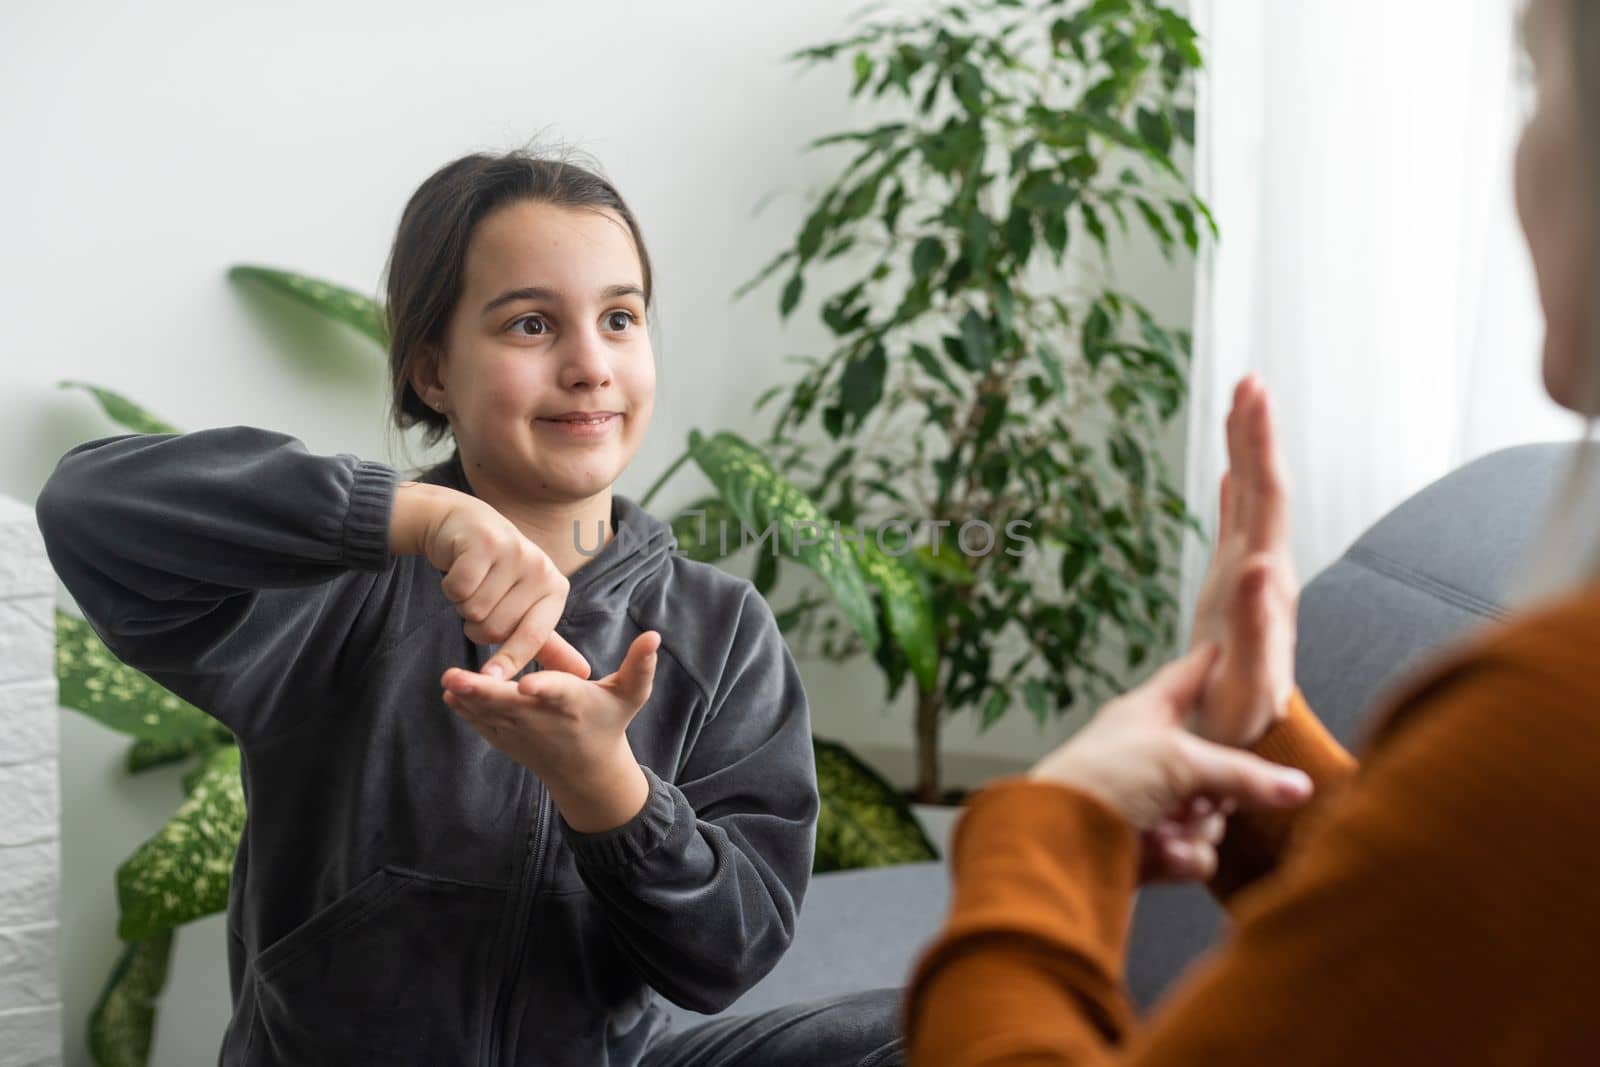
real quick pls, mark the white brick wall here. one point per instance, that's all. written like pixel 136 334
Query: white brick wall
pixel 30 999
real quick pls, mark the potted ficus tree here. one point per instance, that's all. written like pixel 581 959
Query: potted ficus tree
pixel 982 366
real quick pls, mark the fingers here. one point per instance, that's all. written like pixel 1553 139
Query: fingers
pixel 1180 681
pixel 1225 523
pixel 1267 509
pixel 1243 777
pixel 535 638
pixel 1239 486
pixel 633 680
pixel 1181 859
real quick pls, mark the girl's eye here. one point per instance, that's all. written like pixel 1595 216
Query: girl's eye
pixel 543 327
pixel 626 317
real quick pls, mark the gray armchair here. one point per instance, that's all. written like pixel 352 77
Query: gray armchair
pixel 1432 568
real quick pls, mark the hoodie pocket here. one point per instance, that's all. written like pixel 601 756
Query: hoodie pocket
pixel 393 971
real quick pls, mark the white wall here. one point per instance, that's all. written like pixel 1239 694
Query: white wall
pixel 30 825
pixel 149 147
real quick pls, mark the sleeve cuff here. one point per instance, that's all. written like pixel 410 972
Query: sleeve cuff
pixel 665 815
pixel 366 522
pixel 1300 740
pixel 1027 851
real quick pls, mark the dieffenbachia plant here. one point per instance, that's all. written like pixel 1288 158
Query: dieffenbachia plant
pixel 182 872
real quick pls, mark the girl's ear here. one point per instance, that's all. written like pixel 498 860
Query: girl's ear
pixel 425 378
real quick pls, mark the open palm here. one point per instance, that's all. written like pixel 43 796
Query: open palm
pixel 1247 601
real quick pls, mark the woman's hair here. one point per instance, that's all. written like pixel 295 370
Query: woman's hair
pixel 426 270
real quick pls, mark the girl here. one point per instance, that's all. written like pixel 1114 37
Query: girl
pixel 1439 908
pixel 462 849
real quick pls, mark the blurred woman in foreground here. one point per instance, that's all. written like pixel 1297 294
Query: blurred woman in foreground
pixel 1434 905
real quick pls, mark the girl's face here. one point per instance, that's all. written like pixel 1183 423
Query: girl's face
pixel 1555 203
pixel 551 323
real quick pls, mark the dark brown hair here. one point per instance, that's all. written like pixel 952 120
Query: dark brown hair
pixel 426 270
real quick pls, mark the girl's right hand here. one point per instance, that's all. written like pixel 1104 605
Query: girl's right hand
pixel 503 585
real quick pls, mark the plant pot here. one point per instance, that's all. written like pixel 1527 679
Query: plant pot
pixel 938 822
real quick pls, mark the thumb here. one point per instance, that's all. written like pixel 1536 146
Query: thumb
pixel 1179 682
pixel 1234 774
pixel 634 679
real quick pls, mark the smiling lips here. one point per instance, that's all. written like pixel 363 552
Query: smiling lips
pixel 582 425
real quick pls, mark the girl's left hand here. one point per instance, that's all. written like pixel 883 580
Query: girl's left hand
pixel 569 731
pixel 1137 756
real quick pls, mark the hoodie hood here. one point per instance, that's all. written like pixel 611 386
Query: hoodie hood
pixel 640 546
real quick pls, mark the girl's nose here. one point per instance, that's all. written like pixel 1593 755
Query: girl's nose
pixel 587 363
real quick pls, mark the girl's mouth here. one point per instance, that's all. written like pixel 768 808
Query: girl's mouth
pixel 587 426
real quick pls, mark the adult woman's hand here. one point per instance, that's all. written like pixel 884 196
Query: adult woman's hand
pixel 506 588
pixel 1137 756
pixel 1248 599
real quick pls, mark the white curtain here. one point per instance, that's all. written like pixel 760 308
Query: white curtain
pixel 1358 157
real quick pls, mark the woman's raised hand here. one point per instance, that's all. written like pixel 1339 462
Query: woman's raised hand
pixel 503 585
pixel 1136 756
pixel 1247 601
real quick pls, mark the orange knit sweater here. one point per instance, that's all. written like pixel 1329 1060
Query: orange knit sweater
pixel 1438 906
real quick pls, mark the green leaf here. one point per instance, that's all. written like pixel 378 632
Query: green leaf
pixel 1184 121
pixel 907 606
pixel 123 1020
pixel 863 821
pixel 1052 366
pixel 334 301
pixel 182 873
pixel 994 709
pixel 926 257
pixel 145 754
pixel 1096 228
pixel 762 498
pixel 93 681
pixel 1075 559
pixel 863 66
pixel 977 342
pixel 861 385
pixel 791 295
pixel 1037 693
pixel 946 565
pixel 929 362
pixel 1155 128
pixel 707 530
pixel 121 410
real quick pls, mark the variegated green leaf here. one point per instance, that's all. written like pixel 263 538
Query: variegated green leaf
pixel 863 821
pixel 95 682
pixel 124 1018
pixel 121 410
pixel 947 564
pixel 182 873
pixel 907 604
pixel 145 754
pixel 334 301
pixel 762 498
pixel 707 530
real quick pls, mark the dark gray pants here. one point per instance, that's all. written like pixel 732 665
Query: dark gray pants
pixel 852 1030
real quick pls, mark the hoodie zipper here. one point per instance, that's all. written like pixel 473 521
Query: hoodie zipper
pixel 531 865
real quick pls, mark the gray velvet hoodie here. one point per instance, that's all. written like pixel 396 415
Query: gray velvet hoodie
pixel 403 892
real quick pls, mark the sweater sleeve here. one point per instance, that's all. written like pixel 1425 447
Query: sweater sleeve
pixel 1439 912
pixel 1257 840
pixel 218 563
pixel 703 886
